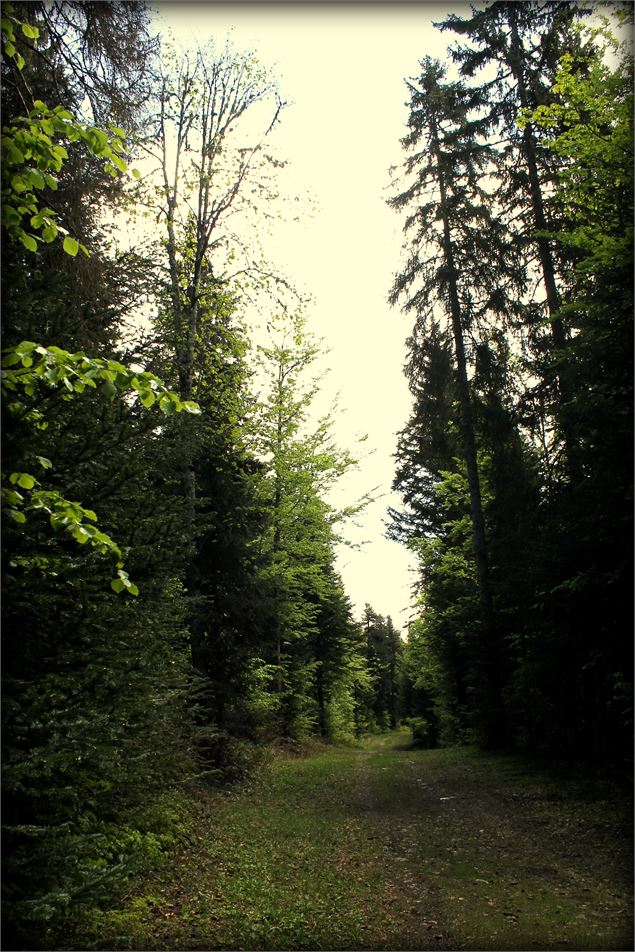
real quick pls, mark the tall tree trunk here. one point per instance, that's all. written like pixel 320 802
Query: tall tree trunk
pixel 185 323
pixel 490 655
pixel 277 540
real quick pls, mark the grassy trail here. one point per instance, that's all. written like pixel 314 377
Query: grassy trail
pixel 388 848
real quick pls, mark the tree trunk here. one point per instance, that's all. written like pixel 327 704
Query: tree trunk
pixel 277 538
pixel 321 702
pixel 490 655
pixel 558 333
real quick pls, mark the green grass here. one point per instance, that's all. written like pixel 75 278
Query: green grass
pixel 520 859
pixel 386 848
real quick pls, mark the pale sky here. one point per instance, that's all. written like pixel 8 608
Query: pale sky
pixel 342 66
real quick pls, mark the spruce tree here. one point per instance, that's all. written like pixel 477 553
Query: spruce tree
pixel 456 265
pixel 524 43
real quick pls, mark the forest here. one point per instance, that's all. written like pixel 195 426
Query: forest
pixel 173 615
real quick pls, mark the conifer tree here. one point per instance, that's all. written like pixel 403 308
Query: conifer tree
pixel 553 124
pixel 383 653
pixel 587 125
pixel 451 221
pixel 430 442
pixel 524 43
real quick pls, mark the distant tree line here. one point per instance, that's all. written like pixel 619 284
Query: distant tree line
pixel 515 466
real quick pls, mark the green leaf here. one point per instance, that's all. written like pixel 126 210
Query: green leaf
pixel 166 406
pixel 11 154
pixel 25 347
pixel 120 163
pixel 71 247
pixel 28 241
pixel 97 140
pixel 31 31
pixel 136 173
pixel 12 497
pixel 109 388
pixel 36 179
pixel 10 216
pixel 49 233
pixel 147 398
pixel 26 481
pixel 19 183
pixel 16 515
pixel 117 585
pixel 44 462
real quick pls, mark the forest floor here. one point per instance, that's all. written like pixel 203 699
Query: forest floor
pixel 386 847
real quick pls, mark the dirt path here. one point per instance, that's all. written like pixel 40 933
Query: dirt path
pixel 388 848
pixel 494 856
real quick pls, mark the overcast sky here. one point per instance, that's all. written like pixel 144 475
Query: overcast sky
pixel 342 66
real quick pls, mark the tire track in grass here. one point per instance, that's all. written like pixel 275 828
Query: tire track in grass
pixel 522 859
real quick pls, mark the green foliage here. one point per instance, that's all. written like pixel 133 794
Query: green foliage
pixel 31 157
pixel 33 154
pixel 78 781
pixel 314 646
pixel 8 26
pixel 590 126
pixel 97 713
pixel 29 366
pixel 382 650
pixel 550 383
pixel 27 370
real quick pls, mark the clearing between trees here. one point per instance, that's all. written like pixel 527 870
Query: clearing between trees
pixel 387 847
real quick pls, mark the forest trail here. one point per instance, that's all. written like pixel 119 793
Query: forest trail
pixel 384 847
